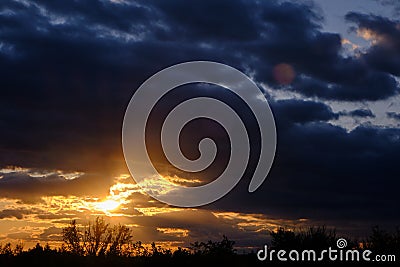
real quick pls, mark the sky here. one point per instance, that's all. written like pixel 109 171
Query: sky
pixel 68 69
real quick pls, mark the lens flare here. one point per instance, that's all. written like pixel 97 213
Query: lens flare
pixel 284 73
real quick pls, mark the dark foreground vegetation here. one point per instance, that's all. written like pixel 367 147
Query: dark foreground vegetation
pixel 100 244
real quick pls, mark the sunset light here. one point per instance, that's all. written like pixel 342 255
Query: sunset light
pixel 107 205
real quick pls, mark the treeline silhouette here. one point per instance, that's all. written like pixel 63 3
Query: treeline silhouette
pixel 101 244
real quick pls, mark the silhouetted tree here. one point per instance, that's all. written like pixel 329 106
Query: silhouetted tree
pixel 18 249
pixel 211 248
pixel 158 251
pixel 318 237
pixel 285 239
pixel 181 252
pixel 310 238
pixel 119 236
pixel 98 239
pixel 38 249
pixel 137 250
pixel 383 241
pixel 72 237
pixel 6 250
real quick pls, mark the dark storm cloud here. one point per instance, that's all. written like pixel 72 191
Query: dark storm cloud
pixel 364 113
pixel 292 35
pixel 209 21
pixel 30 189
pixel 68 70
pixel 125 17
pixel 59 90
pixel 68 77
pixel 14 213
pixel 51 233
pixel 393 115
pixel 300 111
pixel 369 85
pixel 323 172
pixel 77 65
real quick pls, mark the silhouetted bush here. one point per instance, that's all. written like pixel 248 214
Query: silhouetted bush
pixel 215 249
pixel 98 239
pixel 383 241
pixel 309 238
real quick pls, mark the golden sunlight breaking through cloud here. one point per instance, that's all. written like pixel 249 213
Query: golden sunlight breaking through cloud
pixel 258 222
pixel 107 205
pixel 182 181
pixel 41 173
pixel 125 202
pixel 349 43
pixel 373 37
pixel 178 232
pixel 150 211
